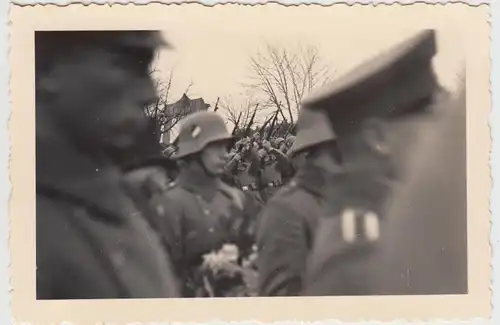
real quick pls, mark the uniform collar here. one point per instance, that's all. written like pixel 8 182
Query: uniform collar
pixel 194 178
pixel 358 190
pixel 312 179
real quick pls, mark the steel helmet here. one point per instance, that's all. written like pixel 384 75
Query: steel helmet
pixel 198 130
pixel 313 128
pixel 169 151
pixel 261 153
pixel 278 142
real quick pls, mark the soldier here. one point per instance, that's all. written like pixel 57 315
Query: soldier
pixel 290 140
pixel 257 140
pixel 244 169
pixel 92 242
pixel 200 213
pixel 278 144
pixel 289 219
pixel 244 165
pixel 275 167
pixel 362 249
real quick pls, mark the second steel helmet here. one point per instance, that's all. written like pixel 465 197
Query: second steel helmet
pixel 198 130
pixel 278 142
pixel 313 128
pixel 290 140
pixel 169 152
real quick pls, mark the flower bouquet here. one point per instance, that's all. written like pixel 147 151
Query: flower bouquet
pixel 222 276
pixel 250 273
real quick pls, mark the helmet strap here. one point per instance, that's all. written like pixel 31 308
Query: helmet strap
pixel 202 164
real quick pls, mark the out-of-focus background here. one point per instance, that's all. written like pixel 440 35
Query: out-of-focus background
pixel 224 55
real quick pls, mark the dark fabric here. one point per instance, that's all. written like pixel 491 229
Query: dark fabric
pixel 389 84
pixel 92 241
pixel 198 215
pixel 285 234
pixel 422 248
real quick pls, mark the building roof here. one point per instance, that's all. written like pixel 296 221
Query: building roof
pixel 186 105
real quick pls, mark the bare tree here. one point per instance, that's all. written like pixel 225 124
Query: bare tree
pixel 242 111
pixel 161 112
pixel 282 77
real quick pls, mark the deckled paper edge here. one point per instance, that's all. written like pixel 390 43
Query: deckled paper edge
pixel 248 2
pixel 493 77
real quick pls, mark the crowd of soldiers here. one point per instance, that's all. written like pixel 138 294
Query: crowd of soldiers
pixel 341 208
pixel 254 164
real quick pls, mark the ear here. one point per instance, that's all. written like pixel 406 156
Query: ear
pixel 374 134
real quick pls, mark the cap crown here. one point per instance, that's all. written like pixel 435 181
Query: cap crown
pixel 392 83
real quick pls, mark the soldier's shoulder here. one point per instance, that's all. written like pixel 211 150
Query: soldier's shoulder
pixel 175 191
pixel 292 194
pixel 175 198
pixel 289 198
pixel 233 193
pixel 286 191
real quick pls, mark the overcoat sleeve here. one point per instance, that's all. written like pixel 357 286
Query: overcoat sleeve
pixel 170 211
pixel 283 249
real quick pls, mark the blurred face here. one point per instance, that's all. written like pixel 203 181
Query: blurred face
pixel 246 147
pixel 325 158
pixel 298 160
pixel 214 158
pixel 102 94
pixel 381 147
pixel 399 137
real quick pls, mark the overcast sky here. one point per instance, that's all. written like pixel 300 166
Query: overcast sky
pixel 213 44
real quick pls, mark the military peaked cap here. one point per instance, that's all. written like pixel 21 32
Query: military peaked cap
pixel 50 45
pixel 113 38
pixel 390 84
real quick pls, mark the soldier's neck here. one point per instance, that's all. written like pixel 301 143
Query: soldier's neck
pixel 194 174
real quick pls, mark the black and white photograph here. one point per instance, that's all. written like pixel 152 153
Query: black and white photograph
pixel 258 152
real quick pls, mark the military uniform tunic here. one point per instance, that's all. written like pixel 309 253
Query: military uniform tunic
pixel 285 233
pixel 422 245
pixel 198 215
pixel 347 231
pixel 92 240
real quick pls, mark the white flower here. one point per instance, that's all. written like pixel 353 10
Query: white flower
pixel 230 252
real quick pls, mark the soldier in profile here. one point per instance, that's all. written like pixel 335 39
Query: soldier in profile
pixel 416 246
pixel 288 221
pixel 92 241
pixel 375 112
